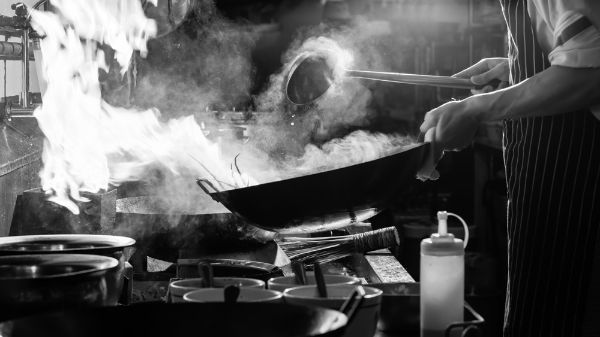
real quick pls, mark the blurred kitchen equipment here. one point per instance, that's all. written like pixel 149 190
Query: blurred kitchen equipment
pixel 313 73
pixel 184 319
pixel 400 306
pixel 326 249
pixel 178 288
pixel 400 310
pixel 327 200
pixel 286 282
pixel 31 284
pixel 18 26
pixel 246 295
pixel 366 316
pixel 118 247
pixel 229 268
pixel 168 14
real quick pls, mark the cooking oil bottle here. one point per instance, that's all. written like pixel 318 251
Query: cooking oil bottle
pixel 442 279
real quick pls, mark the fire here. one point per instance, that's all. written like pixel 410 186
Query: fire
pixel 90 143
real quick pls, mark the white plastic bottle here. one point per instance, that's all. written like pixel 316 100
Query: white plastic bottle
pixel 442 279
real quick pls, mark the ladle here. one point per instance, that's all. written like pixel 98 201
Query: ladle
pixel 299 272
pixel 312 74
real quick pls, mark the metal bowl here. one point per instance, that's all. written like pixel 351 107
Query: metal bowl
pixel 64 243
pixel 117 247
pixel 36 283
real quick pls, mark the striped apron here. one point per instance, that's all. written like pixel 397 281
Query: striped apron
pixel 553 178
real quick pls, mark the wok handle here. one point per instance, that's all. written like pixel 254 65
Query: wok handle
pixel 351 305
pixel 201 183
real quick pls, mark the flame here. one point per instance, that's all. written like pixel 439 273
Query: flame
pixel 89 143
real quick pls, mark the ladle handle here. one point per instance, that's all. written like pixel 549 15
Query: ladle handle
pixel 430 80
pixel 231 293
pixel 351 305
pixel 299 272
pixel 320 280
pixel 206 271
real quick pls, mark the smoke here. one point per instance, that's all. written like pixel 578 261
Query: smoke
pixel 91 143
pixel 205 63
pixel 346 105
pixel 355 148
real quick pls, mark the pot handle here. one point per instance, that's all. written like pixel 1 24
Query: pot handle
pixel 127 291
pixel 351 305
pixel 201 183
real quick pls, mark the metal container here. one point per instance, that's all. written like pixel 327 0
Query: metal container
pixel 117 247
pixel 399 307
pixel 36 283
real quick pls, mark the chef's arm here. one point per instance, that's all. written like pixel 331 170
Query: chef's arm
pixel 555 90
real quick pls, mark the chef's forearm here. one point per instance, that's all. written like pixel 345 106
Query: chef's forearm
pixel 554 90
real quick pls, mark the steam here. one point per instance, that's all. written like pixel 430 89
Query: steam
pixel 357 147
pixel 192 69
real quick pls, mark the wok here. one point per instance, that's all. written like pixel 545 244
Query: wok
pixel 183 319
pixel 326 200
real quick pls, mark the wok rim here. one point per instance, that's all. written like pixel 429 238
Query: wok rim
pixel 400 150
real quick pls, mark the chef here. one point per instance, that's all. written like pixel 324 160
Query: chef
pixel 548 101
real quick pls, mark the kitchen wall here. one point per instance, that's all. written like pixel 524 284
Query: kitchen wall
pixel 13 68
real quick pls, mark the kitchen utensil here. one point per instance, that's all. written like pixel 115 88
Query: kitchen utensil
pixel 118 247
pixel 321 285
pixel 313 73
pixel 36 283
pixel 285 282
pixel 326 200
pixel 299 272
pixel 183 319
pixel 354 301
pixel 331 248
pixel 178 288
pixel 364 322
pixel 245 295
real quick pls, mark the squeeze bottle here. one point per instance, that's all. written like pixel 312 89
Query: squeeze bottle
pixel 442 279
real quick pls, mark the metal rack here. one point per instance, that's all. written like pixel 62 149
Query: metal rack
pixel 10 27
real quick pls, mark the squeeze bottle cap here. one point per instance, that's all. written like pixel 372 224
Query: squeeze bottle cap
pixel 443 243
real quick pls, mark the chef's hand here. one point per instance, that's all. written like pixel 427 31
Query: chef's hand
pixel 449 127
pixel 485 71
